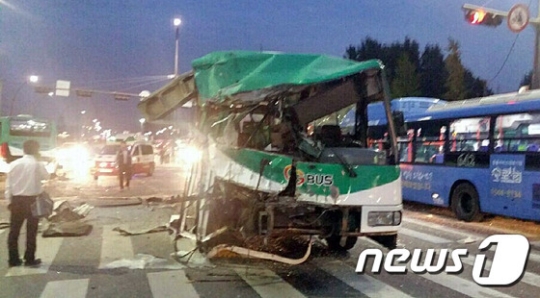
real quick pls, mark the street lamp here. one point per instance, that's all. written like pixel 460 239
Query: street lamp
pixel 176 23
pixel 142 120
pixel 82 132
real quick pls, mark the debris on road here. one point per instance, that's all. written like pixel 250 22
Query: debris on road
pixel 67 221
pixel 144 261
pixel 125 232
pixel 67 229
pixel 116 202
pixel 467 240
pixel 63 212
pixel 248 253
pixel 193 258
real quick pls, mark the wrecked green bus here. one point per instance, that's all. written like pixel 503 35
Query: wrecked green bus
pixel 274 158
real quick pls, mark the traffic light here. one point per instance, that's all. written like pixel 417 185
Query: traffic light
pixel 43 89
pixel 480 16
pixel 83 93
pixel 121 96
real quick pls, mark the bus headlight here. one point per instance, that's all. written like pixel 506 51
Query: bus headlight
pixel 384 218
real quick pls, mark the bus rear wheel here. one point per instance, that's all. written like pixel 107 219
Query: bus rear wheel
pixel 465 203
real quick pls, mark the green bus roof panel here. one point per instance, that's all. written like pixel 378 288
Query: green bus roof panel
pixel 222 74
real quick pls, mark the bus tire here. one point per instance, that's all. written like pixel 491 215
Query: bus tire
pixel 388 241
pixel 465 203
pixel 334 243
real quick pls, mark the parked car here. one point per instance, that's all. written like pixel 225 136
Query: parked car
pixel 142 160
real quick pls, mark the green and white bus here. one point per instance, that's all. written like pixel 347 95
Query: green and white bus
pixel 276 159
pixel 15 130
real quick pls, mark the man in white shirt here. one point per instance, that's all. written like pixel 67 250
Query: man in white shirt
pixel 23 184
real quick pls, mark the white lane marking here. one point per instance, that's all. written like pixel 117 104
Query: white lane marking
pixel 267 283
pixel 75 288
pixel 462 286
pixel 468 235
pixel 423 236
pixel 363 283
pixel 47 249
pixel 171 284
pixel 534 257
pixel 114 247
pixel 528 278
pixel 443 228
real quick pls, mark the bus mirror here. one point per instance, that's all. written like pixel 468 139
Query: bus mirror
pixel 399 122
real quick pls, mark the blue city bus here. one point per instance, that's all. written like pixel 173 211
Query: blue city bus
pixel 476 156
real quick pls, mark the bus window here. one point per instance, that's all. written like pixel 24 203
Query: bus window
pixel 429 142
pixel 517 133
pixel 470 134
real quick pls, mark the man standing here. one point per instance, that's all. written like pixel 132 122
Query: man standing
pixel 23 185
pixel 123 160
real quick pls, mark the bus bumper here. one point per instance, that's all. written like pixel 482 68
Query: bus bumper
pixel 381 219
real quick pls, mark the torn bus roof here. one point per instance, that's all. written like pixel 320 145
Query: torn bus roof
pixel 250 77
pixel 222 74
pixel 179 91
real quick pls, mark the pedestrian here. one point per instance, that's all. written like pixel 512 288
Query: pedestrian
pixel 23 185
pixel 123 161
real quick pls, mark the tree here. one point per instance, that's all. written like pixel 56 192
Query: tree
pixel 475 86
pixel 433 72
pixel 455 83
pixel 406 81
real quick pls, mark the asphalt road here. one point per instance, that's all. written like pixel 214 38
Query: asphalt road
pixel 97 265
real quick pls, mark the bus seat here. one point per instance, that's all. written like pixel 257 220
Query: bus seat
pixel 439 158
pixel 533 148
pixel 330 135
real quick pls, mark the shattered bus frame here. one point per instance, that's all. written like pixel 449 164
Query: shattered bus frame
pixel 270 160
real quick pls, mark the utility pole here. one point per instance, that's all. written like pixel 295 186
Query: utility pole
pixel 518 18
pixel 1 85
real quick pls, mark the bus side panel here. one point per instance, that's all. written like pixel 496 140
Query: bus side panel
pixel 526 199
pixel 419 182
pixel 422 183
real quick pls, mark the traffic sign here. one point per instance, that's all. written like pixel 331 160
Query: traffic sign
pixel 62 88
pixel 518 18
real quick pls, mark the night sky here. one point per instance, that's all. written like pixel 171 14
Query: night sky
pixel 128 45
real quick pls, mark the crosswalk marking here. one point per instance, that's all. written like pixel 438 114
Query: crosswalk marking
pixel 363 283
pixel 424 236
pixel 534 257
pixel 114 247
pixel 528 277
pixel 462 286
pixel 171 284
pixel 442 228
pixel 267 283
pixel 76 288
pixel 263 281
pixel 47 248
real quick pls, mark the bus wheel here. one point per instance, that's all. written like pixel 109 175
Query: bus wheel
pixel 334 243
pixel 465 203
pixel 388 241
